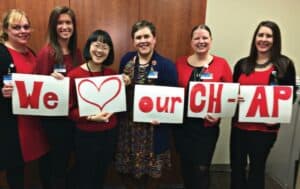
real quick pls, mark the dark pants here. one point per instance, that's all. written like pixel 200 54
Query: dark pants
pixel 194 176
pixel 53 166
pixel 94 152
pixel 15 177
pixel 256 146
pixel 196 145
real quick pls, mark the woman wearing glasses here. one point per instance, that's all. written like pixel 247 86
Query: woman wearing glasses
pixel 21 137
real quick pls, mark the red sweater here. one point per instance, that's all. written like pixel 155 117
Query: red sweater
pixel 218 67
pixel 45 59
pixel 81 122
pixel 256 78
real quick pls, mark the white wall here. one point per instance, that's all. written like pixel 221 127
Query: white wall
pixel 233 23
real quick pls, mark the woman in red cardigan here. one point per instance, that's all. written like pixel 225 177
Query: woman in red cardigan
pixel 57 58
pixel 196 138
pixel 95 135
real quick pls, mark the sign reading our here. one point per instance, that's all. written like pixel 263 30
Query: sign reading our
pixel 103 93
pixel 266 104
pixel 40 95
pixel 159 103
pixel 213 98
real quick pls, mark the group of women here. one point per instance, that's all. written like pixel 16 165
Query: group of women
pixel 140 151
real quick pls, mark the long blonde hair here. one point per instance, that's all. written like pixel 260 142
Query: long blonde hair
pixel 8 18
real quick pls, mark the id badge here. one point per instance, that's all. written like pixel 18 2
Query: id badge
pixel 61 68
pixel 7 79
pixel 206 75
pixel 152 74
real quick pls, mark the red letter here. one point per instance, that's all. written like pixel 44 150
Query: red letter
pixel 215 101
pixel 160 108
pixel 146 104
pixel 194 107
pixel 174 100
pixel 27 99
pixel 280 93
pixel 259 102
pixel 50 96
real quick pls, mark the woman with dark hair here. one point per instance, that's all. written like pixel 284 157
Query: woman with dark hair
pixel 21 137
pixel 57 58
pixel 196 138
pixel 95 135
pixel 143 148
pixel 253 141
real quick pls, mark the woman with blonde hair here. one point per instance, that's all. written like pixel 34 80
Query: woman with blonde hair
pixel 21 137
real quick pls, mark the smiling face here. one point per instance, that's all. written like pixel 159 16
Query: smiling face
pixel 64 27
pixel 264 40
pixel 201 41
pixel 99 52
pixel 18 31
pixel 144 41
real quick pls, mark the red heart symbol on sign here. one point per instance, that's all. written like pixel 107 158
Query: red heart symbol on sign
pixel 104 82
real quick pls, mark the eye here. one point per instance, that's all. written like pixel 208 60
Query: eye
pixel 19 27
pixel 138 37
pixel 260 35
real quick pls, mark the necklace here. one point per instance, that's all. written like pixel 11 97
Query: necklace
pixel 263 65
pixel 91 73
pixel 88 67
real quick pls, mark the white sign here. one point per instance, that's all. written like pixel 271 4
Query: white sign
pixel 97 94
pixel 214 98
pixel 158 103
pixel 266 104
pixel 40 95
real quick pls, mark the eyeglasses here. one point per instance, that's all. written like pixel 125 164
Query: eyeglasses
pixel 19 27
pixel 100 46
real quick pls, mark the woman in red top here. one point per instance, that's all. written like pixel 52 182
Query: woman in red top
pixel 21 137
pixel 253 141
pixel 196 138
pixel 95 135
pixel 57 58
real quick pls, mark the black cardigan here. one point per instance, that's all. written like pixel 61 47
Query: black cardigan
pixel 289 77
pixel 10 148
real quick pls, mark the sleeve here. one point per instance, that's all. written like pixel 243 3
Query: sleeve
pixel 124 61
pixel 290 78
pixel 73 105
pixel 44 62
pixel 237 72
pixel 169 76
pixel 227 72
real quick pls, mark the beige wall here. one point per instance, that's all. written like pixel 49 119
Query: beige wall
pixel 233 22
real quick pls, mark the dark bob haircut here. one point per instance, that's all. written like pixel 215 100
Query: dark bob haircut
pixel 103 37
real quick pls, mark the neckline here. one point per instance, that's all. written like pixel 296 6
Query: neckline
pixel 264 65
pixel 202 66
pixel 90 71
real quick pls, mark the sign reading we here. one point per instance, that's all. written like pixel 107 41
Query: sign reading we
pixel 266 104
pixel 103 93
pixel 40 95
pixel 214 98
